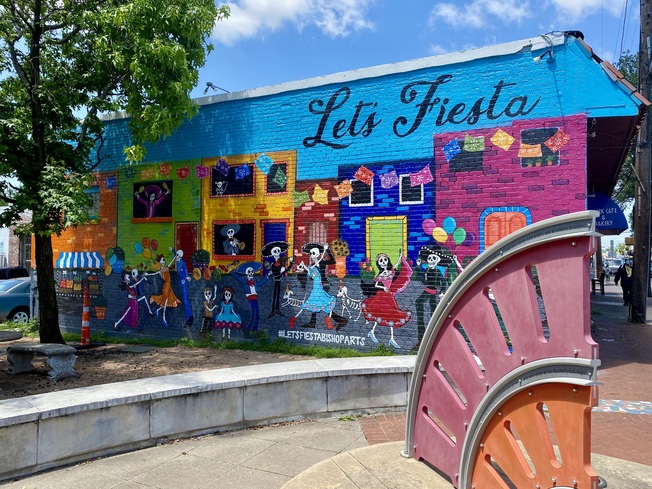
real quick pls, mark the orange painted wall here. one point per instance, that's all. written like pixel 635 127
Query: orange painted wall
pixel 93 236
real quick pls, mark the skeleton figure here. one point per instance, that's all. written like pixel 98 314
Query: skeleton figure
pixel 277 268
pixel 319 299
pixel 167 298
pixel 430 258
pixel 220 188
pixel 245 273
pixel 209 307
pixel 382 308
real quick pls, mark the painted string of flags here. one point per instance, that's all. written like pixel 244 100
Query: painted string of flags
pixel 500 139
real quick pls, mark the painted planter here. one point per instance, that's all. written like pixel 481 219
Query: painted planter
pixel 100 312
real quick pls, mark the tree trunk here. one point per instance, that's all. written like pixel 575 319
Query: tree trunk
pixel 49 331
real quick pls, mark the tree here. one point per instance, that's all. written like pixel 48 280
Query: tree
pixel 624 191
pixel 64 63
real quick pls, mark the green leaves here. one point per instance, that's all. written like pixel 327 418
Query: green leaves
pixel 62 64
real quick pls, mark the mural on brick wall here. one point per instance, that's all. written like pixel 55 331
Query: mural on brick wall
pixel 356 260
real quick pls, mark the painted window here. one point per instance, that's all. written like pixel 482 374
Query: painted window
pixel 540 147
pixel 317 232
pixel 239 180
pixel 274 231
pixel 93 208
pixel 231 239
pixel 408 193
pixel 362 194
pixel 277 179
pixel 152 201
pixel 468 155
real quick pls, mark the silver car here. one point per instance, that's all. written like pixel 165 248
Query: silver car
pixel 14 299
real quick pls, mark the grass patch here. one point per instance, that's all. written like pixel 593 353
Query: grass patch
pixel 29 329
pixel 259 341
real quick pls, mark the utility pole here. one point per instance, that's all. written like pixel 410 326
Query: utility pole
pixel 641 268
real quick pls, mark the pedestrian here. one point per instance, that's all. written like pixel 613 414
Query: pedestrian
pixel 624 276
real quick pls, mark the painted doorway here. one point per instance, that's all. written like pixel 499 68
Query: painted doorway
pixel 185 238
pixel 386 235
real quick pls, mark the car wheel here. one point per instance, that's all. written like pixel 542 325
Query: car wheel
pixel 20 315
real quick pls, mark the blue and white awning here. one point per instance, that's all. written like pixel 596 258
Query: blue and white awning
pixel 80 259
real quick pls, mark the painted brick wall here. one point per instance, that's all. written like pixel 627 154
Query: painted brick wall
pixel 286 164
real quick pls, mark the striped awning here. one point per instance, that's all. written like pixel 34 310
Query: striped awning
pixel 80 259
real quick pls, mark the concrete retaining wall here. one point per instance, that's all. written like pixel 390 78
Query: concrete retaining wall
pixel 49 430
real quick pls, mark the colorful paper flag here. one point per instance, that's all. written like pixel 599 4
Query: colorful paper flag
pixel 264 163
pixel 320 195
pixel 300 198
pixel 421 177
pixel 280 178
pixel 202 171
pixel 242 171
pixel 183 172
pixel 473 143
pixel 222 166
pixel 557 141
pixel 451 149
pixel 389 179
pixel 164 169
pixel 343 189
pixel 364 175
pixel 530 151
pixel 502 139
pixel 130 172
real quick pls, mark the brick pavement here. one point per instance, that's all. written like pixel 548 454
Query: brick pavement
pixel 620 428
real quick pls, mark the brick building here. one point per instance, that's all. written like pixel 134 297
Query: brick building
pixel 448 153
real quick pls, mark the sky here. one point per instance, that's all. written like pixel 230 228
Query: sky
pixel 267 42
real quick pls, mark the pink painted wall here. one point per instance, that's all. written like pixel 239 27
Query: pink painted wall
pixel 502 181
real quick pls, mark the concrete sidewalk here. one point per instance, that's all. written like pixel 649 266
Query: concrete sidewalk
pixel 365 452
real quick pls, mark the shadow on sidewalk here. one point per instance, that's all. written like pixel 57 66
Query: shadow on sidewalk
pixel 621 342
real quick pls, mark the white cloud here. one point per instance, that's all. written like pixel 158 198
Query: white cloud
pixel 256 18
pixel 575 10
pixel 479 13
pixel 482 13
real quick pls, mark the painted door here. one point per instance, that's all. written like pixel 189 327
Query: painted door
pixel 497 225
pixel 386 235
pixel 185 238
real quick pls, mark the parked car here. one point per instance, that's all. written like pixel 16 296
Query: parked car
pixel 611 265
pixel 13 272
pixel 14 299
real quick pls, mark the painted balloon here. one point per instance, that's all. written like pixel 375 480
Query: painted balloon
pixel 428 225
pixel 145 242
pixel 459 235
pixel 112 260
pixel 154 244
pixel 109 253
pixel 449 224
pixel 147 253
pixel 440 235
pixel 107 270
pixel 138 248
pixel 470 239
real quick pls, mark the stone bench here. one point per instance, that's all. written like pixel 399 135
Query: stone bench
pixel 60 358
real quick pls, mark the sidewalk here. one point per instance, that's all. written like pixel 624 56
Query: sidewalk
pixel 356 453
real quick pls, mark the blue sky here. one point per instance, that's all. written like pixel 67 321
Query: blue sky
pixel 266 42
